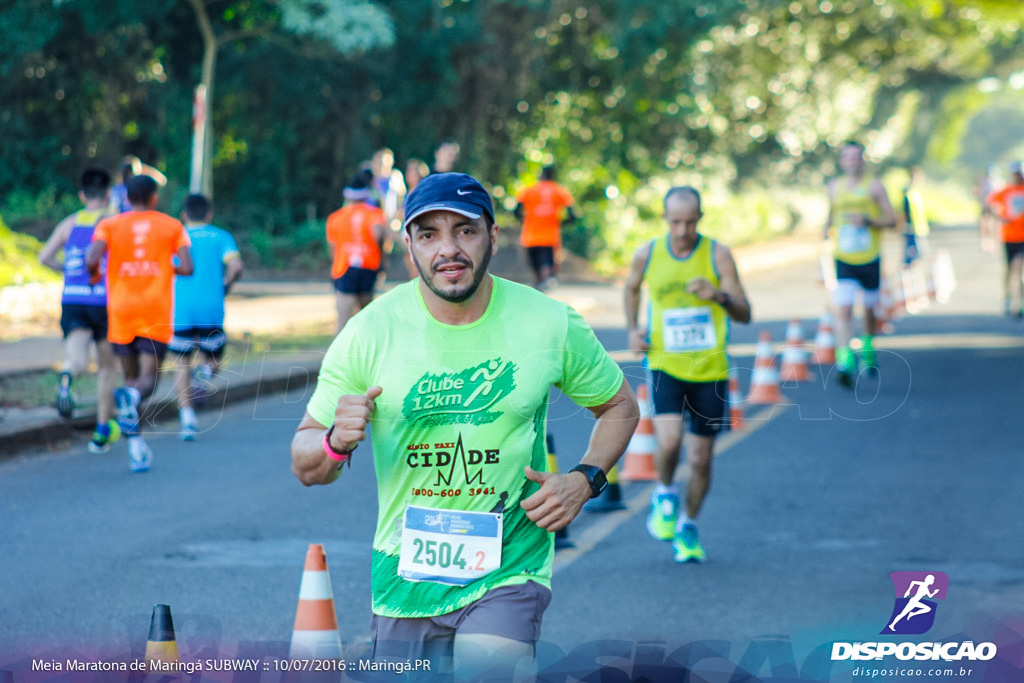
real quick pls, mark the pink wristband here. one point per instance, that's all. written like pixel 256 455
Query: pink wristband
pixel 333 454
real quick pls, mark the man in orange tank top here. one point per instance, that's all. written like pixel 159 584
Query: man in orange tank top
pixel 140 246
pixel 544 208
pixel 355 236
pixel 1008 206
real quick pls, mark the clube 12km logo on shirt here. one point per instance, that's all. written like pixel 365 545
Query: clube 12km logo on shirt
pixel 913 613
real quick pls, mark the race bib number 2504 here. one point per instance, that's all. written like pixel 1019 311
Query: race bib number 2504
pixel 453 547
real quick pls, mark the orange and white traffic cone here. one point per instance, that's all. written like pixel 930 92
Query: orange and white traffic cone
pixel 161 646
pixel 825 341
pixel 735 400
pixel 315 635
pixel 764 383
pixel 643 445
pixel 794 357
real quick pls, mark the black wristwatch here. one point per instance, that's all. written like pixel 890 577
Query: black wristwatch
pixel 595 477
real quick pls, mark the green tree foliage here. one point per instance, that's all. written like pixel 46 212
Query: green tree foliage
pixel 349 26
pixel 18 259
pixel 627 96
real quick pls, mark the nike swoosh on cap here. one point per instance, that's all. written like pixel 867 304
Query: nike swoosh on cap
pixel 460 192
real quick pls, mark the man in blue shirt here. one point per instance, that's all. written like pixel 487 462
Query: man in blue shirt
pixel 199 305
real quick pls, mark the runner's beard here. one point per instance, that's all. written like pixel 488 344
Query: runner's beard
pixel 457 296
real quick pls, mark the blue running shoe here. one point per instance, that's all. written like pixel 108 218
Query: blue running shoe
pixel 103 436
pixel 127 401
pixel 661 520
pixel 686 545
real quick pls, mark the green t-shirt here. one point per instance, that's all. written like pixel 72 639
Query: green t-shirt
pixel 463 411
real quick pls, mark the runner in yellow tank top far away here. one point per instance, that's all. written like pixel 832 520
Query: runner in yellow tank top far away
pixel 859 209
pixel 694 291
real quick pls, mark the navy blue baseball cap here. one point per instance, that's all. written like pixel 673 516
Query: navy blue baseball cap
pixel 456 192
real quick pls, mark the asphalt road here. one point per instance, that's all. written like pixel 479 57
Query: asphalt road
pixel 812 506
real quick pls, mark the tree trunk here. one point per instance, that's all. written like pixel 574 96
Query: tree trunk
pixel 210 47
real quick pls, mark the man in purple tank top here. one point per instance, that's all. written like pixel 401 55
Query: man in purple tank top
pixel 83 317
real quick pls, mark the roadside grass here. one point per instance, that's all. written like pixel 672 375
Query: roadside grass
pixel 37 389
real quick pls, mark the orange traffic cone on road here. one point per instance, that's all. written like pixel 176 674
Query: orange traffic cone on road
pixel 315 635
pixel 643 445
pixel 735 400
pixel 825 341
pixel 794 357
pixel 764 383
pixel 161 646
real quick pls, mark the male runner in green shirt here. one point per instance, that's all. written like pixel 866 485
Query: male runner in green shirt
pixel 452 371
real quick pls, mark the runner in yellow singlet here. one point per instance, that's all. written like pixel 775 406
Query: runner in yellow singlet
pixel 859 210
pixel 695 291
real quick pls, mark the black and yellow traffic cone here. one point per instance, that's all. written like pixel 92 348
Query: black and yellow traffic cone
pixel 161 646
pixel 562 535
pixel 611 498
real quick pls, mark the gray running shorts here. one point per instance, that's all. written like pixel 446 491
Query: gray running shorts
pixel 512 612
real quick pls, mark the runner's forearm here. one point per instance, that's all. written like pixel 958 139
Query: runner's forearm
pixel 616 422
pixel 632 306
pixel 310 464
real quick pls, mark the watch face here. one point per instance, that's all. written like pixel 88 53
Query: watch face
pixel 595 477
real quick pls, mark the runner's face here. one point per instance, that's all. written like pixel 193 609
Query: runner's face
pixel 851 160
pixel 451 253
pixel 682 215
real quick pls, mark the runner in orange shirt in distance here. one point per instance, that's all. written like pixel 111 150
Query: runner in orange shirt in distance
pixel 541 208
pixel 1008 206
pixel 140 246
pixel 355 235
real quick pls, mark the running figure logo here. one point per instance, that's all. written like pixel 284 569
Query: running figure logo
pixel 914 612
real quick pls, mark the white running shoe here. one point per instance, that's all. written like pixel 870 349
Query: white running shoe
pixel 189 423
pixel 140 457
pixel 189 430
